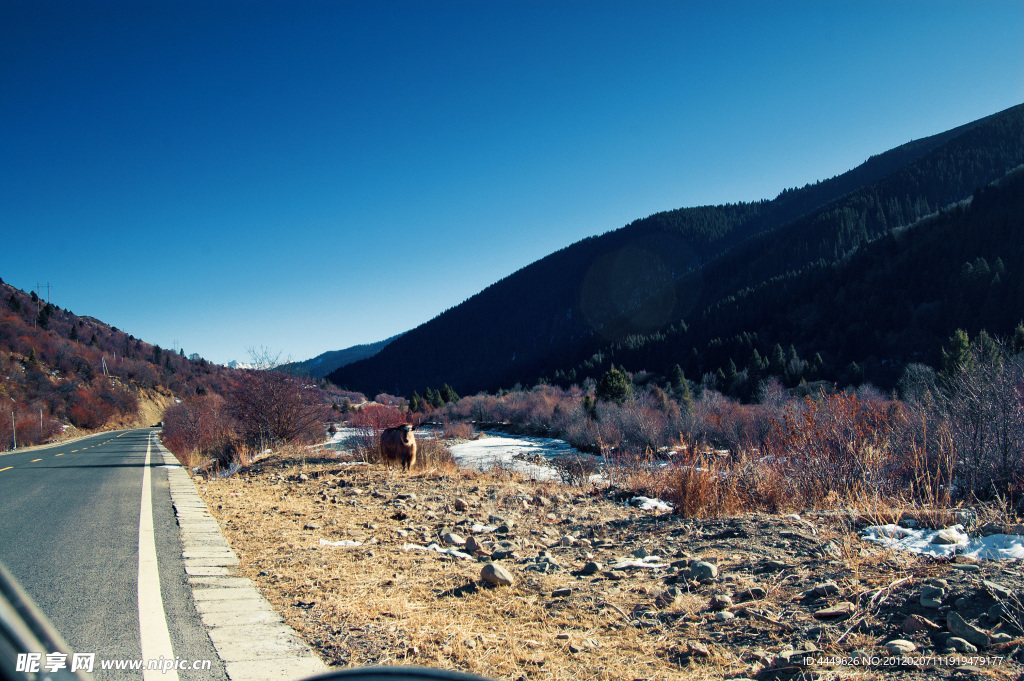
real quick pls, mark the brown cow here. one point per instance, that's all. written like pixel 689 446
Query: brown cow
pixel 398 445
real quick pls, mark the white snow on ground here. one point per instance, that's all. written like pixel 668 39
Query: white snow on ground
pixel 499 450
pixel 437 549
pixel 994 547
pixel 649 504
pixel 650 562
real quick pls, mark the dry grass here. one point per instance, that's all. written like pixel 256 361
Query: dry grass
pixel 379 604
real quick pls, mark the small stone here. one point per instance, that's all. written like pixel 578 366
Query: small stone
pixel 567 540
pixel 492 573
pixel 591 568
pixel 720 602
pixel 966 567
pixel 472 545
pixel 303 477
pixel 997 590
pixel 453 539
pixel 574 649
pixel 563 637
pixel 961 645
pixel 900 646
pixel 311 526
pixel 947 537
pixel 460 504
pixel 724 616
pixel 470 643
pixel 668 598
pixel 1000 637
pixel 641 553
pixel 754 593
pixel 564 592
pixel 698 649
pixel 826 589
pixel 960 627
pixel 702 570
pixel 840 609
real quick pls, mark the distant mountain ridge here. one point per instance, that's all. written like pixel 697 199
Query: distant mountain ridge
pixel 662 274
pixel 326 362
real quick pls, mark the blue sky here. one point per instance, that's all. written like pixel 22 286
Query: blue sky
pixel 305 176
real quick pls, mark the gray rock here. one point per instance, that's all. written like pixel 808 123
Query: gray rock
pixel 591 568
pixel 311 526
pixel 461 504
pixel 961 645
pixel 492 573
pixel 997 590
pixel 702 570
pixel 839 610
pixel 826 589
pixel 720 602
pixel 900 646
pixel 472 545
pixel 724 616
pixel 946 537
pixel 453 539
pixel 958 626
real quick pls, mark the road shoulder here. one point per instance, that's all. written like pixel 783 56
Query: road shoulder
pixel 251 639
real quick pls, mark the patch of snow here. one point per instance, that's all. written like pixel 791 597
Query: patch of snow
pixel 434 547
pixel 650 562
pixel 994 547
pixel 500 450
pixel 649 504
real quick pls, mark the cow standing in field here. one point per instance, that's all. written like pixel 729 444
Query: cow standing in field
pixel 398 445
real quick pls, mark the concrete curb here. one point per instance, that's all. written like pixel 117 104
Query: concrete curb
pixel 252 640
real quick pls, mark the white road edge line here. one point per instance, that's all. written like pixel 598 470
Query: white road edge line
pixel 153 633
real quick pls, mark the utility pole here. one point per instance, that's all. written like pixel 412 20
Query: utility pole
pixel 14 429
pixel 40 424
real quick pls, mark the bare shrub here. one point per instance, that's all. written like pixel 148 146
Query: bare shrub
pixel 458 431
pixel 198 428
pixel 575 469
pixel 271 407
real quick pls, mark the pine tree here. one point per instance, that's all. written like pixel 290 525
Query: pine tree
pixel 448 394
pixel 74 333
pixel 1017 343
pixel 415 402
pixel 777 362
pixel 614 386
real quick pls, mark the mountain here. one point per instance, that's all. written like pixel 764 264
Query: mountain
pixel 60 370
pixel 670 274
pixel 325 363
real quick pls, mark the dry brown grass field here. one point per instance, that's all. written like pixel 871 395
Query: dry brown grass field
pixel 601 590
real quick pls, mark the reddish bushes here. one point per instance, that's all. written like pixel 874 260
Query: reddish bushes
pixel 198 426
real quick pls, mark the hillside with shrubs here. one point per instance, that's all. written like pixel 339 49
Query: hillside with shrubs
pixel 64 373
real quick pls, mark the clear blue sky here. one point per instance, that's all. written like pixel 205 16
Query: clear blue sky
pixel 306 176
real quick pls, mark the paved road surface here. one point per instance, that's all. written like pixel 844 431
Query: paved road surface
pixel 69 532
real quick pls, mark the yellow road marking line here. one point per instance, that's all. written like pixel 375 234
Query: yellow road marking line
pixel 61 454
pixel 73 451
pixel 6 469
pixel 34 460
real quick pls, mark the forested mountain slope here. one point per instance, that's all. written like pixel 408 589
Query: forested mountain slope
pixel 660 274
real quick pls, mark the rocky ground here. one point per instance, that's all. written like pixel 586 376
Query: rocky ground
pixel 600 589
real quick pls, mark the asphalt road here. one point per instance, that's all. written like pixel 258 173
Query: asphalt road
pixel 69 532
